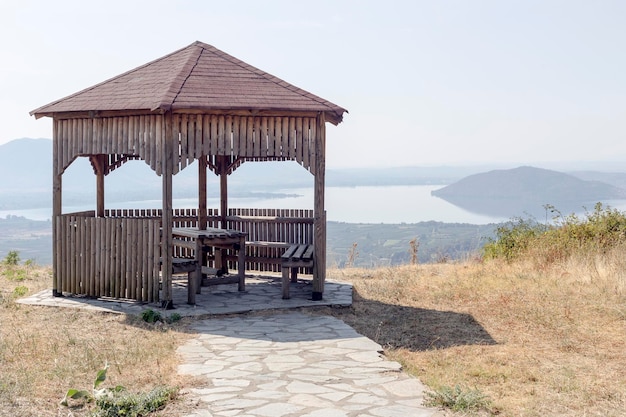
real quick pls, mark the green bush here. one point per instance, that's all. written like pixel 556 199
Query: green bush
pixel 596 232
pixel 151 316
pixel 512 239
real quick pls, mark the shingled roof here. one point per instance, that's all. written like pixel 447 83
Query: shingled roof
pixel 198 77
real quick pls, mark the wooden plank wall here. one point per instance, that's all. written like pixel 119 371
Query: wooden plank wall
pixel 286 138
pixel 108 257
pixel 287 226
pixel 119 255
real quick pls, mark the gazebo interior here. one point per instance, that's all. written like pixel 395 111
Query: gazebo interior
pixel 195 104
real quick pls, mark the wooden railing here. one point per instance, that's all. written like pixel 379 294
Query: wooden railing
pixel 270 233
pixel 118 255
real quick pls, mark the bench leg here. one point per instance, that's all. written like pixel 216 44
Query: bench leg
pixel 192 287
pixel 285 271
pixel 294 274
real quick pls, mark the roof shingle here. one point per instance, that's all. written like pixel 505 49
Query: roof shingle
pixel 199 77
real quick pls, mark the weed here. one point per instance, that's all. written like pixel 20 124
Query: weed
pixel 353 254
pixel 123 403
pixel 414 245
pixel 174 317
pixel 20 291
pixel 457 399
pixel 113 402
pixel 151 316
pixel 12 258
pixel 15 274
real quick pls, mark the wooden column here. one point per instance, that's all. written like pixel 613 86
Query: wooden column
pixel 222 163
pixel 99 162
pixel 202 216
pixel 57 287
pixel 164 138
pixel 319 260
pixel 202 208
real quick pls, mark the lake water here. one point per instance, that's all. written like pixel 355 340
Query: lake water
pixel 367 204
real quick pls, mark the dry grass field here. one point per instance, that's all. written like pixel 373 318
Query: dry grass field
pixel 537 340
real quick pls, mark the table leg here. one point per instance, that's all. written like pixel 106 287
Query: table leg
pixel 241 263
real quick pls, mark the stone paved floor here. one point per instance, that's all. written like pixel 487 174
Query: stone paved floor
pixel 262 293
pixel 292 364
pixel 286 364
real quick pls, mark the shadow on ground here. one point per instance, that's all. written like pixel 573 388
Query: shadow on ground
pixel 415 329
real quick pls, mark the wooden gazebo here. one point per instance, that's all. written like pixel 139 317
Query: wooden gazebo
pixel 195 104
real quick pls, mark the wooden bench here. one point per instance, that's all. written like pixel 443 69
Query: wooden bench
pixel 296 256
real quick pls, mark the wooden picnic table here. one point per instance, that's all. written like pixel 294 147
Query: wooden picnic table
pixel 212 237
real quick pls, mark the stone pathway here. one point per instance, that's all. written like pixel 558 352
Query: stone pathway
pixel 286 364
pixel 292 364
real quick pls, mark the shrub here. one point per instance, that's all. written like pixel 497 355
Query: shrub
pixel 151 316
pixel 20 291
pixel 597 232
pixel 123 403
pixel 512 239
pixel 457 399
pixel 12 258
pixel 114 402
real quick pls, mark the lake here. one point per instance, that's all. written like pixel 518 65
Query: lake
pixel 364 204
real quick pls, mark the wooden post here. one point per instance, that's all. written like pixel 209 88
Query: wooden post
pixel 319 260
pixel 202 218
pixel 202 208
pixel 222 165
pixel 56 211
pixel 163 136
pixel 99 162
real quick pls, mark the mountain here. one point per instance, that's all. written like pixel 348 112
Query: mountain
pixel 618 179
pixel 26 178
pixel 526 190
pixel 26 164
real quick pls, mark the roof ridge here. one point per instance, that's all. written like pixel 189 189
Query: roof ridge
pixel 175 88
pixel 108 80
pixel 269 77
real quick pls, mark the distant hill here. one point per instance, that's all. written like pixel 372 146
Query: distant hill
pixel 526 190
pixel 26 164
pixel 617 179
pixel 26 178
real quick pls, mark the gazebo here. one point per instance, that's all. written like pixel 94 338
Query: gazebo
pixel 195 104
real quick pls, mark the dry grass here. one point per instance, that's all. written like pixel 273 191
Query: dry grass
pixel 540 341
pixel 45 351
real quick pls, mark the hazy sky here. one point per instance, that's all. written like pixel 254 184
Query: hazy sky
pixel 425 82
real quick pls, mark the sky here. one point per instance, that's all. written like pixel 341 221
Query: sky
pixel 445 82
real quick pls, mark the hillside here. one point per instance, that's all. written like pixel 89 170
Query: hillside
pixel 527 190
pixel 376 244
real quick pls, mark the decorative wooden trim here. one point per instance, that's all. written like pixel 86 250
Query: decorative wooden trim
pixel 129 137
